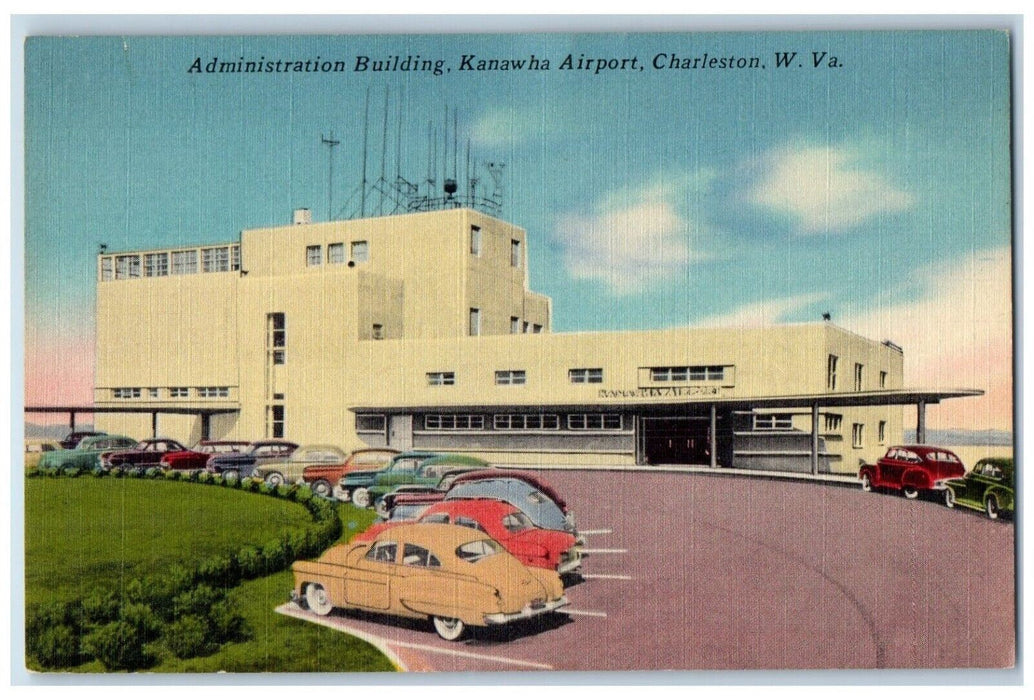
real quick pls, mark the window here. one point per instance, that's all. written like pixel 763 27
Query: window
pixel 126 393
pixel 594 421
pixel 883 380
pixel 526 421
pixel 592 375
pixel 383 552
pixel 858 370
pixel 475 322
pixel 773 421
pixel 378 331
pixel 475 240
pixel 510 376
pixel 536 328
pixel 152 393
pixel 476 551
pixel 857 434
pixel 469 522
pixel 276 338
pixel 415 555
pixel 215 259
pixel 214 392
pixel 178 392
pixel 184 262
pixel 515 253
pixel 156 265
pixel 313 255
pixel 831 373
pixel 453 421
pixel 235 257
pixel 336 254
pixel 517 522
pixel 127 267
pixel 275 421
pixel 696 373
pixel 515 325
pixel 107 269
pixel 370 423
pixel 883 432
pixel 441 378
pixel 833 422
pixel 360 252
pixel 527 327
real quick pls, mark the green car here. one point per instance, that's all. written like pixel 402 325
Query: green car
pixel 86 455
pixel 990 487
pixel 401 472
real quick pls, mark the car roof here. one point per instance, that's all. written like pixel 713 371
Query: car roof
pixel 258 443
pixel 480 506
pixel 920 449
pixel 444 537
pixel 457 459
pixel 530 478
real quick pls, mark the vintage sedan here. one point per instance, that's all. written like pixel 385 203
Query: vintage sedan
pixel 87 454
pixel 507 525
pixel 362 479
pixel 234 465
pixel 195 459
pixel 912 469
pixel 323 479
pixel 290 470
pixel 990 487
pixel 147 453
pixel 72 440
pixel 36 447
pixel 455 576
pixel 428 473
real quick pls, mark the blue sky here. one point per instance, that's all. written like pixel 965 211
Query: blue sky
pixel 651 198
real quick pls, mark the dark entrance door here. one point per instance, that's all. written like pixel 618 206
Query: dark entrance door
pixel 681 440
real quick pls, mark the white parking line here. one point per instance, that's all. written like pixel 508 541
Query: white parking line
pixel 618 577
pixel 587 613
pixel 596 532
pixel 469 654
pixel 604 551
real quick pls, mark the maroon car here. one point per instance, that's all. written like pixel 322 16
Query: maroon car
pixel 195 459
pixel 148 453
pixel 912 469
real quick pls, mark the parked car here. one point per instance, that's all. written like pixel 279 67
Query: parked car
pixel 434 492
pixel 452 575
pixel 196 458
pixel 87 453
pixel 146 453
pixel 72 440
pixel 990 487
pixel 235 465
pixel 912 469
pixel 428 472
pixel 323 479
pixel 35 447
pixel 290 470
pixel 507 525
pixel 364 478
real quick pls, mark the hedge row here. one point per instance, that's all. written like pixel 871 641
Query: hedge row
pixel 185 611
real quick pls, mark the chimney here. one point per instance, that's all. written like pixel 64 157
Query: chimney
pixel 302 217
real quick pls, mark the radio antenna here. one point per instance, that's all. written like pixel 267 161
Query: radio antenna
pixel 330 143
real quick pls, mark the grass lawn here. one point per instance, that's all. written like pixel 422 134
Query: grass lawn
pixel 85 533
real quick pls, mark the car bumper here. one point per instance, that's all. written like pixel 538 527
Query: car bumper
pixel 527 612
pixel 569 561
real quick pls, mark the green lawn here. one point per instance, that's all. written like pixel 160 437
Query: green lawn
pixel 87 532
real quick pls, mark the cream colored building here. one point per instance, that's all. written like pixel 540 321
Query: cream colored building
pixel 419 330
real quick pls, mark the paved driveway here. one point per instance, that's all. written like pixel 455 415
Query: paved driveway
pixel 692 571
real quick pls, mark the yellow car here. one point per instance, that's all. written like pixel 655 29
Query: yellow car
pixel 455 576
pixel 35 447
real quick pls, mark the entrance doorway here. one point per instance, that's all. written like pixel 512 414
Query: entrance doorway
pixel 682 440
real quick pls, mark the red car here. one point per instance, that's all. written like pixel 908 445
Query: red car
pixel 322 478
pixel 195 459
pixel 148 453
pixel 507 525
pixel 911 469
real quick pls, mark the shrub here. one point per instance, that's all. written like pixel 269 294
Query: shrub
pixel 251 562
pixel 195 601
pixel 188 637
pixel 56 646
pixel 286 491
pixel 204 478
pixel 31 472
pixel 119 646
pixel 140 616
pixel 117 472
pixel 172 475
pixel 275 556
pixel 99 471
pixel 99 606
pixel 153 472
pixel 226 622
pixel 266 490
pixel 219 571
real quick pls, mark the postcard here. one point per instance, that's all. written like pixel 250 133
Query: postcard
pixel 601 351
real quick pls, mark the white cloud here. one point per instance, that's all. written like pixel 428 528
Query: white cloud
pixel 634 237
pixel 822 188
pixel 762 313
pixel 503 127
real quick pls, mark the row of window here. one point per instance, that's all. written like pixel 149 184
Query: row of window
pixel 696 373
pixel 591 375
pixel 175 262
pixel 833 422
pixel 174 392
pixel 516 325
pixel 514 421
pixel 360 253
pixel 859 374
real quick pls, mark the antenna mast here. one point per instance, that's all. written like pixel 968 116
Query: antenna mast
pixel 330 143
pixel 366 128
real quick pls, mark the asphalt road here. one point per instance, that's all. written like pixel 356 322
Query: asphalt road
pixel 697 572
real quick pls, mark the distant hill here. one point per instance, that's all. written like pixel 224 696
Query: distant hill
pixel 34 430
pixel 964 437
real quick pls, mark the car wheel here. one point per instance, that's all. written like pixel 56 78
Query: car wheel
pixel 317 599
pixel 231 475
pixel 274 478
pixel 449 628
pixel 322 488
pixel 911 492
pixel 381 508
pixel 991 507
pixel 949 498
pixel 866 483
pixel 361 498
